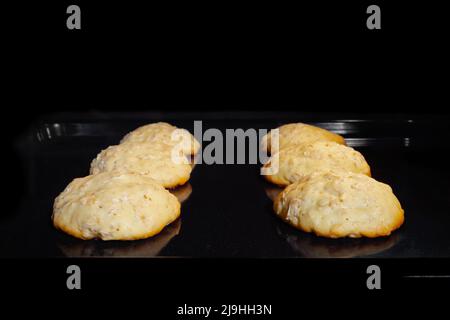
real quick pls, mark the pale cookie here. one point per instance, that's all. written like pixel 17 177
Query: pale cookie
pixel 114 206
pixel 155 161
pixel 340 204
pixel 297 134
pixel 162 132
pixel 298 162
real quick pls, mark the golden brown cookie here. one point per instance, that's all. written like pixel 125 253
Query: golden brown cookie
pixel 293 134
pixel 114 206
pixel 298 162
pixel 162 132
pixel 155 161
pixel 340 204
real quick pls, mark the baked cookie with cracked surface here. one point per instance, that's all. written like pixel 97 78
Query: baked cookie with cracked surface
pixel 163 132
pixel 156 161
pixel 340 204
pixel 298 162
pixel 293 134
pixel 114 206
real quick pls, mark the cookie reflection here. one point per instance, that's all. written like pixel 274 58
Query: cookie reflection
pixel 311 246
pixel 182 192
pixel 272 191
pixel 140 248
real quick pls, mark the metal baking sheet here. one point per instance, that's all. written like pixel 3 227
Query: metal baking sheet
pixel 228 212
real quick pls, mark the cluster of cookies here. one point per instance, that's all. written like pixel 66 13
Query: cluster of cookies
pixel 125 195
pixel 328 186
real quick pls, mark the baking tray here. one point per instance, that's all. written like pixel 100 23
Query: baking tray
pixel 228 213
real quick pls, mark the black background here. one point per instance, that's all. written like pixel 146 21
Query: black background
pixel 313 56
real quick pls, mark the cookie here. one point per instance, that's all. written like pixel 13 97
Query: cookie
pixel 114 206
pixel 298 162
pixel 162 132
pixel 155 161
pixel 340 204
pixel 293 134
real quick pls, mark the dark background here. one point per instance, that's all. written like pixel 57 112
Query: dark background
pixel 313 56
pixel 309 57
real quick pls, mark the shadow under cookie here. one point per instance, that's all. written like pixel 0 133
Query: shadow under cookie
pixel 140 248
pixel 182 192
pixel 272 191
pixel 310 246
